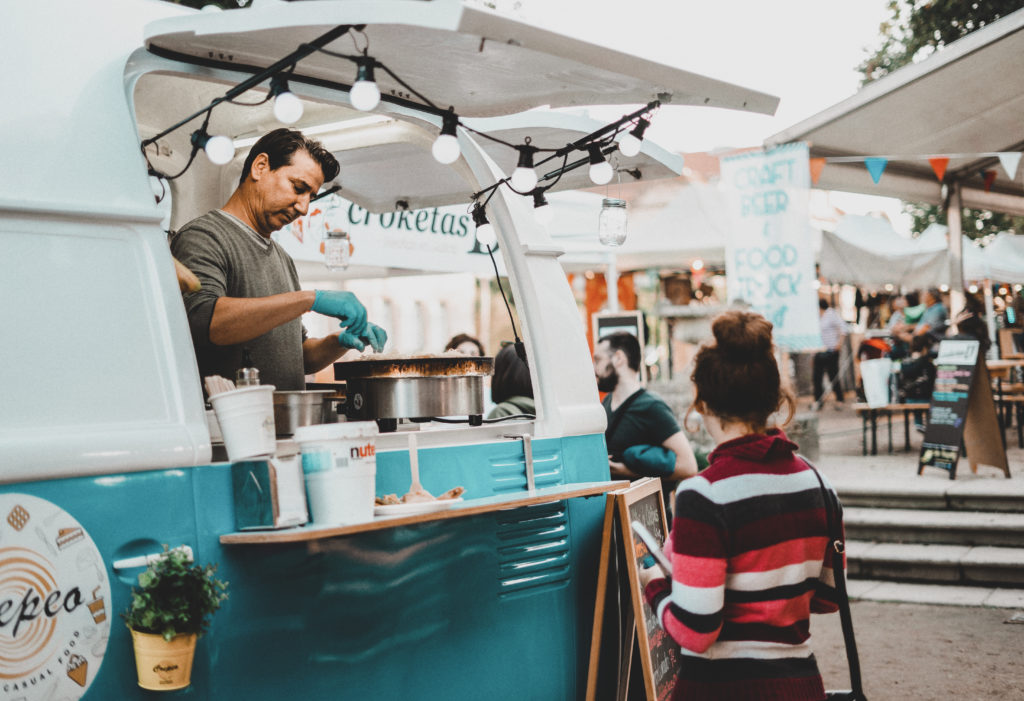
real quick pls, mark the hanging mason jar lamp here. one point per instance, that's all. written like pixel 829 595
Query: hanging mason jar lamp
pixel 611 224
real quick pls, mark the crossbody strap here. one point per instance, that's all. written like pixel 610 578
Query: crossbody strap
pixel 620 411
pixel 837 546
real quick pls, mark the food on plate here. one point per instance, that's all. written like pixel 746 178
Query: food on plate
pixel 418 496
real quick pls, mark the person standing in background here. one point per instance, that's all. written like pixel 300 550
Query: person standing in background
pixel 833 331
pixel 644 439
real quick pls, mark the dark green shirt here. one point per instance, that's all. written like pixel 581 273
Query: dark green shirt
pixel 646 420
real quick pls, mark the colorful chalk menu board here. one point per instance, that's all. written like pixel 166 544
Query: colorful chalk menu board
pixel 653 656
pixel 962 413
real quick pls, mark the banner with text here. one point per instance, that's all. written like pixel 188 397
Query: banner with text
pixel 440 239
pixel 769 262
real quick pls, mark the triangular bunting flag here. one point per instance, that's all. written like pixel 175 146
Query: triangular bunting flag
pixel 817 165
pixel 939 166
pixel 989 176
pixel 876 166
pixel 1009 161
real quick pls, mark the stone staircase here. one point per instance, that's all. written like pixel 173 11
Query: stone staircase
pixel 959 533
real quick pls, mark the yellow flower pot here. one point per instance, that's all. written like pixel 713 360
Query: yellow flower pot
pixel 162 665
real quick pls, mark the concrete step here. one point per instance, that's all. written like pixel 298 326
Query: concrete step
pixel 947 564
pixel 919 493
pixel 941 594
pixel 934 526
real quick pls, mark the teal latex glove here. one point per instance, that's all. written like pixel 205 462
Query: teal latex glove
pixel 375 336
pixel 649 460
pixel 343 306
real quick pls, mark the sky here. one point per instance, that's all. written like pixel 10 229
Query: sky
pixel 805 52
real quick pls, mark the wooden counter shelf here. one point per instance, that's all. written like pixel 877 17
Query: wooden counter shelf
pixel 468 507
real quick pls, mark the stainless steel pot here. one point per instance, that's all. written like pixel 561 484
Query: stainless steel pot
pixel 414 387
pixel 298 408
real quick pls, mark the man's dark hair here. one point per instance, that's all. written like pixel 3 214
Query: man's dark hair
pixel 628 344
pixel 913 299
pixel 823 303
pixel 281 144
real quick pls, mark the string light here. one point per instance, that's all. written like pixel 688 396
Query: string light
pixel 600 170
pixel 446 147
pixel 485 233
pixel 542 211
pixel 524 178
pixel 630 144
pixel 219 149
pixel 287 107
pixel 365 95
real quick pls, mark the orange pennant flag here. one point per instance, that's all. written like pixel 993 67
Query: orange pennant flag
pixel 939 166
pixel 817 165
pixel 989 177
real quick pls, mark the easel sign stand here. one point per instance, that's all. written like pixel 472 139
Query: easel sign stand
pixel 962 413
pixel 644 648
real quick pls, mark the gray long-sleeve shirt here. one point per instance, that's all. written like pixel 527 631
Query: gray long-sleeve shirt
pixel 232 260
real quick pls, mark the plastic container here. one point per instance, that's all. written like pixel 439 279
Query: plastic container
pixel 341 496
pixel 875 376
pixel 337 446
pixel 246 418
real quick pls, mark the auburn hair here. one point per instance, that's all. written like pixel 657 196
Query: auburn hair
pixel 736 376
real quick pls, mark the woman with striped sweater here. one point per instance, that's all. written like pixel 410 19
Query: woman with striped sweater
pixel 748 537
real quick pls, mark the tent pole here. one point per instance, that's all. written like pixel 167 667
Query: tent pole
pixel 990 319
pixel 956 250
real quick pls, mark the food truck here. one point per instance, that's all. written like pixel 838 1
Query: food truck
pixel 105 446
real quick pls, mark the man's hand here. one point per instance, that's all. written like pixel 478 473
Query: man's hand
pixel 620 471
pixel 346 307
pixel 374 335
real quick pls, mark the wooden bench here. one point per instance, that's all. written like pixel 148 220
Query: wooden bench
pixel 869 416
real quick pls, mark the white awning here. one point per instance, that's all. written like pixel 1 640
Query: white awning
pixel 966 99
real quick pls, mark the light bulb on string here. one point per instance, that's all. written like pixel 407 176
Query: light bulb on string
pixel 601 171
pixel 287 106
pixel 364 95
pixel 543 212
pixel 630 143
pixel 446 147
pixel 524 178
pixel 219 149
pixel 485 232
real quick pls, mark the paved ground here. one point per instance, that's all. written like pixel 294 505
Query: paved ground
pixel 932 649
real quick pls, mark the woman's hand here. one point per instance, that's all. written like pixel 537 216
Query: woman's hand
pixel 649 574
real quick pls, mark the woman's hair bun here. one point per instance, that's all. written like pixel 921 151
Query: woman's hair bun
pixel 742 335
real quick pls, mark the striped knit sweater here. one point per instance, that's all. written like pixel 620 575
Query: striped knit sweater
pixel 747 547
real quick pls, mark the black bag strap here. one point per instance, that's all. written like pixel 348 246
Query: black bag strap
pixel 620 411
pixel 837 546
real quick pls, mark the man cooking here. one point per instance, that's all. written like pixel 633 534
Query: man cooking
pixel 250 305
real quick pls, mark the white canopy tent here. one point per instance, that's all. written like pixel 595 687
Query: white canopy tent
pixel 964 101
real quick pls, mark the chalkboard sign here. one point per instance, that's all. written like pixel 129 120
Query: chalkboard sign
pixel 962 412
pixel 658 653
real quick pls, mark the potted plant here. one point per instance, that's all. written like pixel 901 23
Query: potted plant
pixel 169 610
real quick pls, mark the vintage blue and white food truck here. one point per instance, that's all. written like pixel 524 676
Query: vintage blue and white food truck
pixel 105 445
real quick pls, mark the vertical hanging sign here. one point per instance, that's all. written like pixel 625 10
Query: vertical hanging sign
pixel 769 260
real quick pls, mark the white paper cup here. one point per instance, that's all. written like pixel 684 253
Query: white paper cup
pixel 246 418
pixel 341 496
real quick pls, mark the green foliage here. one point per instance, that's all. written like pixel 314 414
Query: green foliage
pixel 175 596
pixel 976 223
pixel 917 28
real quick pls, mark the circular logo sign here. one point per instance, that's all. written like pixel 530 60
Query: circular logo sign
pixel 54 602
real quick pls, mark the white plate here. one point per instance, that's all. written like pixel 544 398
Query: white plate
pixel 416 507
